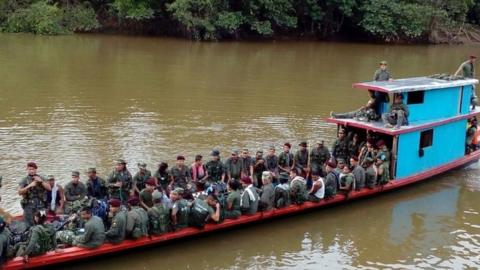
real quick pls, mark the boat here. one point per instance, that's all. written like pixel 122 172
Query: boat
pixel 432 143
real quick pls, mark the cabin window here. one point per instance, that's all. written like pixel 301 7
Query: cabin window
pixel 415 97
pixel 426 138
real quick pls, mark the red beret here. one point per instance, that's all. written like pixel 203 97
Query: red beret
pixel 380 143
pixel 32 165
pixel 354 158
pixel 151 182
pixel 133 201
pixel 331 164
pixel 114 202
pixel 246 180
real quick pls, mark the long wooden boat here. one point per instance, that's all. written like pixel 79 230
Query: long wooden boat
pixel 415 157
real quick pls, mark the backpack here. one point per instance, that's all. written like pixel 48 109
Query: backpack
pixel 198 214
pixel 298 191
pixel 159 220
pixel 282 198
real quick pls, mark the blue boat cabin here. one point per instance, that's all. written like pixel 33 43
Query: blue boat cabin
pixel 437 121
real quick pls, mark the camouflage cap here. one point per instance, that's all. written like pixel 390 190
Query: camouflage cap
pixel 178 190
pixel 142 165
pixel 92 170
pixel 76 173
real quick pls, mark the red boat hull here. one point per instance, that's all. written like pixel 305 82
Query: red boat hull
pixel 74 253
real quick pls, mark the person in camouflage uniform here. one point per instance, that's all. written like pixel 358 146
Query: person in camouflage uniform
pixel 181 177
pixel 120 182
pixel 301 160
pixel 5 240
pixel 75 192
pixel 215 169
pixel 340 146
pixel 137 220
pixel 162 177
pixel 96 186
pixel 468 71
pixel 285 159
pixel 247 163
pixel 118 223
pixel 140 177
pixel 271 161
pixel 145 196
pixel 159 215
pixel 366 113
pixel 41 238
pixel 33 189
pixel 180 209
pixel 233 166
pixel 319 155
pixel 258 168
pixel 398 114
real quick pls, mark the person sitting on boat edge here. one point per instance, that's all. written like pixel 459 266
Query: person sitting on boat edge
pixel 139 179
pixel 232 210
pixel 317 191
pixel 331 180
pixel 249 199
pixel 271 163
pixel 41 238
pixel 159 215
pixel 233 166
pixel 282 191
pixel 75 193
pixel 118 222
pixel 180 209
pixel 55 197
pixel 397 115
pixel 347 180
pixel 247 163
pixel 366 113
pixel 285 159
pixel 145 196
pixel 137 220
pixel 91 236
pixel 267 197
pixel 298 188
pixel 180 177
pixel 96 186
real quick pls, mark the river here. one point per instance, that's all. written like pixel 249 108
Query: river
pixel 80 101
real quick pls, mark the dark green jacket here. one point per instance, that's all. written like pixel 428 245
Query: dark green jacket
pixel 381 75
pixel 215 170
pixel 94 235
pixel 75 192
pixel 139 179
pixel 137 222
pixel 116 232
pixel 41 240
pixel 159 219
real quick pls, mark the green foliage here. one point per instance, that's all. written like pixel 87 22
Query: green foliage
pixel 80 18
pixel 133 9
pixel 39 18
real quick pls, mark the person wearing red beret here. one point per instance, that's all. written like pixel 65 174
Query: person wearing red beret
pixel 116 232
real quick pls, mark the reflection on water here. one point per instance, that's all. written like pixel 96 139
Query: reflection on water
pixel 73 102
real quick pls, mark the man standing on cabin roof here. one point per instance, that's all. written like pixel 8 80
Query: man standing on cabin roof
pixel 382 74
pixel 32 188
pixel 141 177
pixel 398 114
pixel 468 71
pixel 120 182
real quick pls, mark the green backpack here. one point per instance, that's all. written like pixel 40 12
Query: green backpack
pixel 298 191
pixel 159 219
pixel 198 214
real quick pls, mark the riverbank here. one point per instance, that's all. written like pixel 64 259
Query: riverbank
pixel 386 21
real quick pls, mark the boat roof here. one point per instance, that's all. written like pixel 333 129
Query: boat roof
pixel 413 84
pixel 378 126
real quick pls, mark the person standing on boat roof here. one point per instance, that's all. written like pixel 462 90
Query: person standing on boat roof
pixel 55 197
pixel 285 159
pixel 118 221
pixel 75 193
pixel 96 186
pixel 398 114
pixel 139 179
pixel 120 182
pixel 340 146
pixel 468 71
pixel 381 75
pixel 33 189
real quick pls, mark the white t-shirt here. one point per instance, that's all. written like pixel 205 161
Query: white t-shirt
pixel 320 193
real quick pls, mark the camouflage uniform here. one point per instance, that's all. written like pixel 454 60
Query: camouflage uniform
pixel 35 198
pixel 137 222
pixel 247 162
pixel 181 177
pixel 73 194
pixel 93 236
pixel 330 185
pixel 41 239
pixel 163 179
pixel 235 168
pixel 140 178
pixel 119 193
pixel 285 160
pixel 116 232
pixel 340 149
pixel 97 188
pixel 272 164
pixel 318 158
pixel 159 219
pixel 301 160
pixel 215 171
